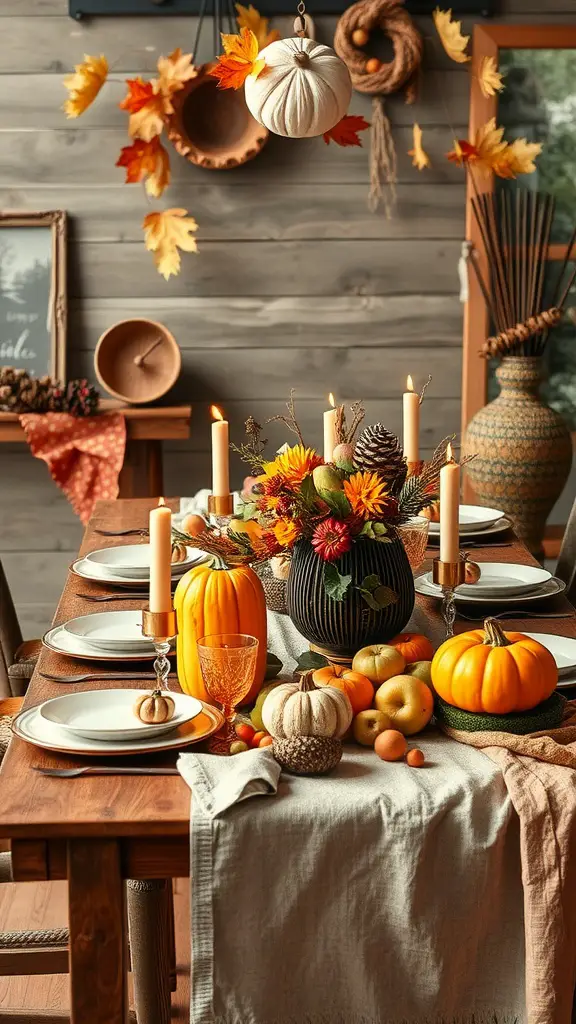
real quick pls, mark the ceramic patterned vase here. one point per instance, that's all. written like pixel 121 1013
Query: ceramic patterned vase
pixel 338 629
pixel 524 450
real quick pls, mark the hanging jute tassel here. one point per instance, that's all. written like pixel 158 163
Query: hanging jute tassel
pixel 381 79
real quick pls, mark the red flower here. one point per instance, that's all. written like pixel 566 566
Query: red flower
pixel 331 538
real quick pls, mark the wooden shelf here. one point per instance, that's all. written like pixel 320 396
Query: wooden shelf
pixel 143 423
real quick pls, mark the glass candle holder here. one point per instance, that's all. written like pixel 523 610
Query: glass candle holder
pixel 227 663
pixel 414 536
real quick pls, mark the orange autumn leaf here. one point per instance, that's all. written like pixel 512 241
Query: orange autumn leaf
pixel 146 161
pixel 240 59
pixel 345 133
pixel 485 150
pixel 420 158
pixel 249 17
pixel 84 85
pixel 174 71
pixel 165 233
pixel 517 158
pixel 139 94
pixel 148 121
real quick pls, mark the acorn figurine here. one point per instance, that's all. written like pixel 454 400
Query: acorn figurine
pixel 154 707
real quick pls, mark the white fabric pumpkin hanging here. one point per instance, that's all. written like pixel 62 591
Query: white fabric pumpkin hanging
pixel 303 91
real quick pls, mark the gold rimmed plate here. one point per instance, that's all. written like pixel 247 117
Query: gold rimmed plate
pixel 32 728
pixel 60 641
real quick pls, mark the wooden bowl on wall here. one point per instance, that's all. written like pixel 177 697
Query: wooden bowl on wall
pixel 213 127
pixel 137 361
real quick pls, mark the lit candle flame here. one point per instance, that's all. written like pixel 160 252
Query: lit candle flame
pixel 216 413
pixel 161 502
pixel 449 453
pixel 409 383
pixel 331 400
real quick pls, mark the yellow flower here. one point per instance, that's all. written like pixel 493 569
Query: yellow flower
pixel 490 79
pixel 367 494
pixel 451 36
pixel 286 532
pixel 85 84
pixel 420 158
pixel 292 465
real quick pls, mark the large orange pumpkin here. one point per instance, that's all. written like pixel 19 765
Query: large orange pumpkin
pixel 357 687
pixel 218 600
pixel 493 671
pixel 414 647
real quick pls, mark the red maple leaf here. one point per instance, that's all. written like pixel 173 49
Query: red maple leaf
pixel 463 152
pixel 139 94
pixel 345 133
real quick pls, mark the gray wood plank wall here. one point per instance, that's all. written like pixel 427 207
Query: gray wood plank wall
pixel 296 282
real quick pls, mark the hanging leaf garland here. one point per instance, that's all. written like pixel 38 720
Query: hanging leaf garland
pixel 84 85
pixel 249 17
pixel 165 233
pixel 450 34
pixel 148 162
pixel 240 59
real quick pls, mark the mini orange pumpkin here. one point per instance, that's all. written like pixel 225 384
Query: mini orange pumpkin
pixel 357 687
pixel 413 646
pixel 493 671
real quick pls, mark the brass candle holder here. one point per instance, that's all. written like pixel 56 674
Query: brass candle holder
pixel 161 628
pixel 448 576
pixel 221 509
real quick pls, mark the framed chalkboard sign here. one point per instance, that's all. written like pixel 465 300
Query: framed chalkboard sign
pixel 33 292
pixel 82 8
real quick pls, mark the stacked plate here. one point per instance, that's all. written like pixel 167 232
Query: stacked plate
pixel 563 649
pixel 475 521
pixel 103 636
pixel 103 722
pixel 500 583
pixel 128 565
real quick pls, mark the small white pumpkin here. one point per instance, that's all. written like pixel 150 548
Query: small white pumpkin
pixel 303 91
pixel 302 709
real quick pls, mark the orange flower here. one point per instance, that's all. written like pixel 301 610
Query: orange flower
pixel 286 532
pixel 240 59
pixel 85 84
pixel 165 232
pixel 292 465
pixel 146 161
pixel 367 494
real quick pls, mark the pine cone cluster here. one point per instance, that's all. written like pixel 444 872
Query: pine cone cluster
pixel 378 450
pixel 20 392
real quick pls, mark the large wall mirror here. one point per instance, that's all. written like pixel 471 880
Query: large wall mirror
pixel 538 102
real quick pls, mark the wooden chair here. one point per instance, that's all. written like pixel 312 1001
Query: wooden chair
pixel 149 902
pixel 566 566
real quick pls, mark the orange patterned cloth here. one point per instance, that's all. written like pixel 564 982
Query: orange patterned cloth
pixel 84 454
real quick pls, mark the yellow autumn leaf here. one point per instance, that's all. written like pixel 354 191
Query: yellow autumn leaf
pixel 173 72
pixel 451 37
pixel 490 79
pixel 148 121
pixel 249 17
pixel 84 85
pixel 484 151
pixel 165 233
pixel 517 158
pixel 420 158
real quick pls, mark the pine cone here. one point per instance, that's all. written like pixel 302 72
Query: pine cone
pixel 80 398
pixel 378 450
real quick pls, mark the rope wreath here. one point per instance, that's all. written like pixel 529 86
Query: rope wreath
pixel 400 73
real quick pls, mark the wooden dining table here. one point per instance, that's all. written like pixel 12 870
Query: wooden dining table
pixel 98 831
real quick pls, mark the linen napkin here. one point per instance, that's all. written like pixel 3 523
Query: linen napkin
pixel 539 772
pixel 83 453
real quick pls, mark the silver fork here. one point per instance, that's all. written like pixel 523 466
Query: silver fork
pixel 89 677
pixel 518 614
pixel 133 596
pixel 72 773
pixel 122 533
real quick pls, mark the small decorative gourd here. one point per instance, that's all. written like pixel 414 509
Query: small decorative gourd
pixel 303 91
pixel 154 707
pixel 179 552
pixel 302 709
pixel 308 755
pixel 492 671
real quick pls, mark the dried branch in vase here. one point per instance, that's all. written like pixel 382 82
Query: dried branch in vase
pixel 252 450
pixel 290 420
pixel 345 434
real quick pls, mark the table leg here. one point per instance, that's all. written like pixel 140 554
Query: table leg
pixel 98 948
pixel 149 921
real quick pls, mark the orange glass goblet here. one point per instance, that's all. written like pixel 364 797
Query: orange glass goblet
pixel 228 663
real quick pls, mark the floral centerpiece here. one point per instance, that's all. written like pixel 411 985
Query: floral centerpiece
pixel 350 582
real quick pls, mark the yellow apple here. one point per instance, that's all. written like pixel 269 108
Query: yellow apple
pixel 367 725
pixel 379 662
pixel 407 701
pixel 420 670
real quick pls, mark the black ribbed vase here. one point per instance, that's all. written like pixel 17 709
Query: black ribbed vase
pixel 339 629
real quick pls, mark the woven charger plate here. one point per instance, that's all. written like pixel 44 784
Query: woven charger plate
pixel 213 127
pixel 547 715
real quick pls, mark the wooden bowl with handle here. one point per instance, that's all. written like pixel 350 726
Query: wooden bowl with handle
pixel 137 361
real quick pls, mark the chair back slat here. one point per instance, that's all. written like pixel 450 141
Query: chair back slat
pixel 10 634
pixel 566 565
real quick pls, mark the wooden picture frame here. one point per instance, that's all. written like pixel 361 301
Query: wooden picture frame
pixel 51 356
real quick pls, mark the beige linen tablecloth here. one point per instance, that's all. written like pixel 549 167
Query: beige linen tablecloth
pixel 376 894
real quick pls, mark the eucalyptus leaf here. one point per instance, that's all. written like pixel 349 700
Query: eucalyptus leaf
pixel 335 585
pixel 310 660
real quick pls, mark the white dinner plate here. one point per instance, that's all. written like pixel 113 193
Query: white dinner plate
pixel 551 588
pixel 33 728
pixel 133 561
pixel 60 641
pixel 109 714
pixel 111 630
pixel 500 526
pixel 500 579
pixel 472 518
pixel 563 649
pixel 98 574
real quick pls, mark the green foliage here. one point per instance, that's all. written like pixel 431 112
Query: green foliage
pixel 335 584
pixel 310 660
pixel 375 594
